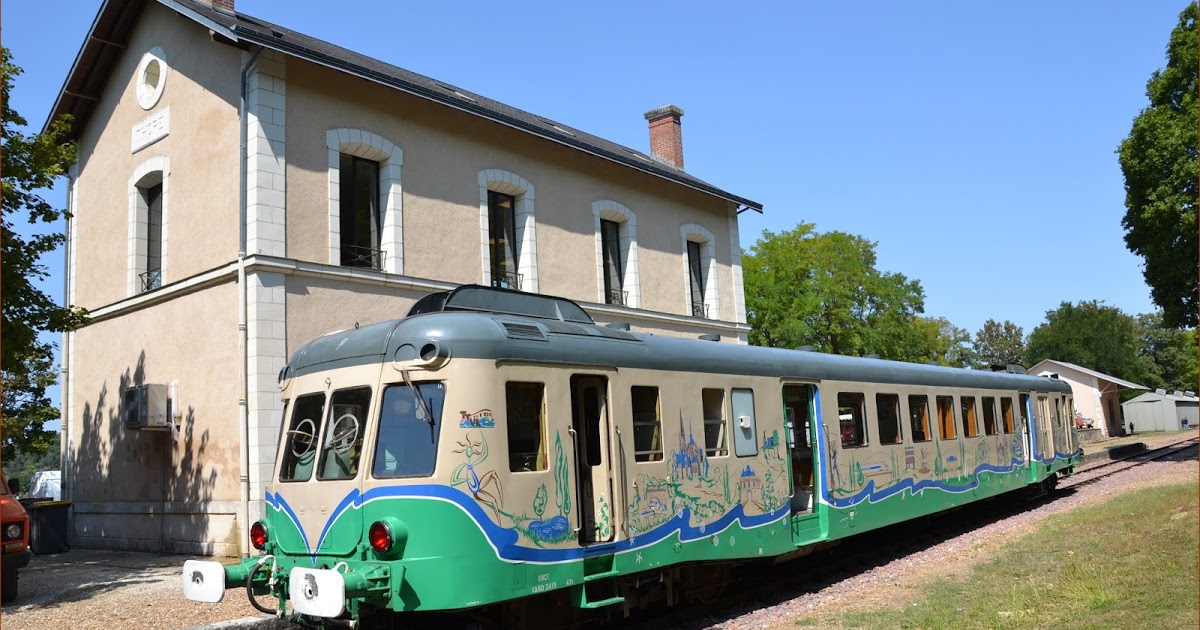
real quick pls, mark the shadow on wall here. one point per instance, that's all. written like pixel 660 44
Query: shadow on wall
pixel 136 489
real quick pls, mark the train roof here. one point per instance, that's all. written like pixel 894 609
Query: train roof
pixel 561 333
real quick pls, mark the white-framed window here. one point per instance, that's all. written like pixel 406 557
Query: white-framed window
pixel 151 77
pixel 700 272
pixel 617 277
pixel 508 230
pixel 149 193
pixel 365 200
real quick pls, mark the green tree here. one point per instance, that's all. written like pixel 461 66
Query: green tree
pixel 1159 161
pixel 999 343
pixel 29 164
pixel 1168 354
pixel 21 465
pixel 823 290
pixel 945 343
pixel 1092 335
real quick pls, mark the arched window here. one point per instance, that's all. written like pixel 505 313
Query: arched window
pixel 365 201
pixel 617 276
pixel 700 271
pixel 147 253
pixel 509 231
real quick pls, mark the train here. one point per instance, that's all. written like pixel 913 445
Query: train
pixel 498 454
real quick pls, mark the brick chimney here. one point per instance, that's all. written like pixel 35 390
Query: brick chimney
pixel 666 135
pixel 225 6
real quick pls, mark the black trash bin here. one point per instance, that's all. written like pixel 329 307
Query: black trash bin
pixel 48 526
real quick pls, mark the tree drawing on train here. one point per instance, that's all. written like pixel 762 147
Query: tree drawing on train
pixel 604 523
pixel 540 500
pixel 562 488
pixel 1002 452
pixel 485 487
pixel 924 469
pixel 557 528
pixel 981 452
pixel 770 445
pixel 939 470
pixel 771 501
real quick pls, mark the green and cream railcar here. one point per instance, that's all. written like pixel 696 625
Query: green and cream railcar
pixel 499 451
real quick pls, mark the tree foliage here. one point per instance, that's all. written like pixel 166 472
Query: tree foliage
pixel 1092 335
pixel 21 465
pixel 1168 354
pixel 29 164
pixel 822 289
pixel 999 343
pixel 945 343
pixel 1159 161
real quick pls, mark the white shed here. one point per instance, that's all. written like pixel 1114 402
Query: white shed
pixel 1160 411
pixel 1096 394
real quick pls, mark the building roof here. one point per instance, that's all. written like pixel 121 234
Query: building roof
pixel 1150 397
pixel 116 19
pixel 1099 375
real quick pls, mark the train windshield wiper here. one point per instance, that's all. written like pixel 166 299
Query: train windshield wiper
pixel 422 409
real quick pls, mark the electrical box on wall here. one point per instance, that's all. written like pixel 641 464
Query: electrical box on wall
pixel 147 407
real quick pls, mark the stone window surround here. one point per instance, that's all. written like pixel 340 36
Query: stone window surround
pixel 501 181
pixel 708 262
pixel 139 221
pixel 370 146
pixel 630 281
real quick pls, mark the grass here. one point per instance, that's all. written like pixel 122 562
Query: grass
pixel 1130 562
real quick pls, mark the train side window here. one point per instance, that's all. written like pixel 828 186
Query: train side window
pixel 970 426
pixel 918 415
pixel 1058 418
pixel 647 424
pixel 1024 411
pixel 945 411
pixel 745 432
pixel 348 410
pixel 1007 413
pixel 408 440
pixel 300 446
pixel 716 442
pixel 852 418
pixel 526 419
pixel 989 415
pixel 887 410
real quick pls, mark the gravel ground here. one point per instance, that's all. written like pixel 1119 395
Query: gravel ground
pixel 897 583
pixel 83 589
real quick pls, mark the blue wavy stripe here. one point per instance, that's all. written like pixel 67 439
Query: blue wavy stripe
pixel 505 540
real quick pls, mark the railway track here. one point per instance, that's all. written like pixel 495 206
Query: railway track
pixel 762 586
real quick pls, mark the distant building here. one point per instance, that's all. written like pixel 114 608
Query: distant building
pixel 1096 395
pixel 1160 411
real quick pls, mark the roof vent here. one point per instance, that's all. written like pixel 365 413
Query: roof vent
pixel 1160 392
pixel 806 348
pixel 1190 394
pixel 1177 393
pixel 618 325
pixel 523 331
pixel 1053 375
pixel 1015 368
pixel 871 356
pixel 710 337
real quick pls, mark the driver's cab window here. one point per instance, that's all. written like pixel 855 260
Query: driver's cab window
pixel 299 446
pixel 342 446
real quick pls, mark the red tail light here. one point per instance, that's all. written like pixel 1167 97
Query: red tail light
pixel 258 535
pixel 380 536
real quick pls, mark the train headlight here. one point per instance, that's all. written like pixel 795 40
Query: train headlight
pixel 380 536
pixel 258 535
pixel 13 531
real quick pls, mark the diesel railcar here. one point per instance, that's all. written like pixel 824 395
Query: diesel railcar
pixel 498 452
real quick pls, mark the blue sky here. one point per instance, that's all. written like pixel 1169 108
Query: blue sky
pixel 974 142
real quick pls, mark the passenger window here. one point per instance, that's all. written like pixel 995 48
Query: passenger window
pixel 300 446
pixel 918 415
pixel 344 436
pixel 408 439
pixel 945 410
pixel 1057 412
pixel 526 419
pixel 989 415
pixel 715 440
pixel 970 427
pixel 887 407
pixel 745 433
pixel 647 425
pixel 1007 412
pixel 852 418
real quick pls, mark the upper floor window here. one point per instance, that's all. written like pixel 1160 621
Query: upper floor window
pixel 610 247
pixel 361 217
pixel 696 279
pixel 151 198
pixel 502 240
pixel 700 281
pixel 148 198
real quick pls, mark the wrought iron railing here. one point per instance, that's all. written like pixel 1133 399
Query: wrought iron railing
pixel 699 309
pixel 506 279
pixel 151 279
pixel 362 257
pixel 617 296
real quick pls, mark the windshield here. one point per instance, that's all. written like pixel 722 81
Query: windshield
pixel 408 443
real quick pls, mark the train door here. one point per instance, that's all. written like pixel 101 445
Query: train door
pixel 1043 419
pixel 593 458
pixel 1025 429
pixel 798 416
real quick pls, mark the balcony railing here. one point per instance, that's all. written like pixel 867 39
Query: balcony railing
pixel 699 309
pixel 362 257
pixel 151 279
pixel 506 280
pixel 616 296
